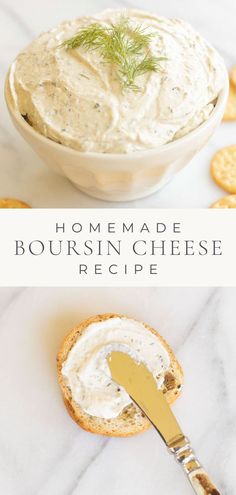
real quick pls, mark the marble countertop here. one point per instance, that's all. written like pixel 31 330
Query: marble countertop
pixel 23 174
pixel 43 452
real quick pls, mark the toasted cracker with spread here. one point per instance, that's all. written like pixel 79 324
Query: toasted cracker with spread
pixel 226 202
pixel 130 421
pixel 12 203
pixel 223 168
pixel 230 111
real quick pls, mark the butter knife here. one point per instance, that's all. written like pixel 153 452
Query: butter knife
pixel 140 384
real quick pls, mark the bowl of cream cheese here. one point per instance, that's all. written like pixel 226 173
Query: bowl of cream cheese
pixel 118 102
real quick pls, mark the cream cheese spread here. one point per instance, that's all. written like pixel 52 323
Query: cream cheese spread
pixel 72 97
pixel 87 373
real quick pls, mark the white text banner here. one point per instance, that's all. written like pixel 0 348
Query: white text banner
pixel 117 247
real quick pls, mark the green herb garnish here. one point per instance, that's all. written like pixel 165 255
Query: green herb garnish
pixel 123 45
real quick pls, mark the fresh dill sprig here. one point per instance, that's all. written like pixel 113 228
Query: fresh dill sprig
pixel 125 46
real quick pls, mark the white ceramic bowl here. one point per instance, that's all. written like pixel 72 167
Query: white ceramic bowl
pixel 120 177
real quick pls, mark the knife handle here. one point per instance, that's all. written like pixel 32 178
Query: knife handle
pixel 201 483
pixel 199 479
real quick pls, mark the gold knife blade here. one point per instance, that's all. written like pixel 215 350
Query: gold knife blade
pixel 140 384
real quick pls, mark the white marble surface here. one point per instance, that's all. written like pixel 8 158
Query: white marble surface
pixel 22 173
pixel 43 452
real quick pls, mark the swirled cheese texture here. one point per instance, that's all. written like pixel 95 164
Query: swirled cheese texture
pixel 73 97
pixel 87 373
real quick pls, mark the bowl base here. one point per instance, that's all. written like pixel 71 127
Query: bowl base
pixel 122 197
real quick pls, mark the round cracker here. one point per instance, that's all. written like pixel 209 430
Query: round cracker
pixel 232 75
pixel 226 202
pixel 223 168
pixel 127 423
pixel 230 110
pixel 12 203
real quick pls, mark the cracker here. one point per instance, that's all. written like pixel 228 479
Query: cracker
pixel 223 168
pixel 12 203
pixel 129 422
pixel 226 202
pixel 232 75
pixel 230 110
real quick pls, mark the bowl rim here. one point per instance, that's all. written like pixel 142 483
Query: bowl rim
pixel 218 109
